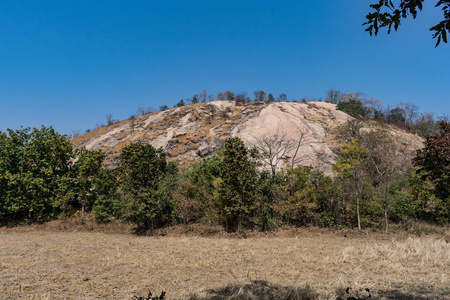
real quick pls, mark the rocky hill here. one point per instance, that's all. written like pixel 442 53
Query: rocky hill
pixel 190 132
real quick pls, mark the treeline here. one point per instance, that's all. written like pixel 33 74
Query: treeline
pixel 404 115
pixel 373 184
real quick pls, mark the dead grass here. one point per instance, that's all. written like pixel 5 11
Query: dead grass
pixel 94 265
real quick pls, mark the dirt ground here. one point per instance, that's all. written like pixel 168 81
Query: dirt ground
pixel 94 265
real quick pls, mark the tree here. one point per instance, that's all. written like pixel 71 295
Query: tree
pixel 270 98
pixel 409 113
pixel 434 161
pixel 141 170
pixel 87 168
pixel 180 103
pixel 282 98
pixel 237 189
pixel 382 162
pixel 142 111
pixel 241 98
pixel 352 106
pixel 333 96
pixel 260 96
pixel 204 96
pixel 35 168
pixel 386 14
pixel 163 108
pixel 195 99
pixel 350 168
pixel 227 95
pixel 110 120
pixel 273 149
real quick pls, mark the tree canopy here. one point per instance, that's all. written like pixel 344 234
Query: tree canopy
pixel 387 14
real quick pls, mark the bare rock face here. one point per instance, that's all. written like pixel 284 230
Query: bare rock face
pixel 194 131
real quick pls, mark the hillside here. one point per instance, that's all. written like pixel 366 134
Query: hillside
pixel 190 132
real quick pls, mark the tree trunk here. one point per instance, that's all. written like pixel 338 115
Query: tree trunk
pixel 357 211
pixel 386 210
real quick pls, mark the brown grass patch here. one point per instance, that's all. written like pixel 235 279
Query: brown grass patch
pixel 93 265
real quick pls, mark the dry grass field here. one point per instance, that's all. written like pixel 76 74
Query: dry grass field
pixel 93 265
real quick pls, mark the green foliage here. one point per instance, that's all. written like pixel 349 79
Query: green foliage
pixel 142 171
pixel 180 103
pixel 87 168
pixel 237 188
pixel 105 208
pixel 199 190
pixel 330 206
pixel 34 168
pixel 297 206
pixel 353 107
pixel 394 13
pixel 434 160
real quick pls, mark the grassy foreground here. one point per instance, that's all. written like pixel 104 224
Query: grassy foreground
pixel 92 265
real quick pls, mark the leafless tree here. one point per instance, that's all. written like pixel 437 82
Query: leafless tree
pixel 295 160
pixel 410 113
pixel 204 96
pixel 282 98
pixel 383 161
pixel 273 149
pixel 333 96
pixel 142 111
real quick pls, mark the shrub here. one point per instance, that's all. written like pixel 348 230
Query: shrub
pixel 105 208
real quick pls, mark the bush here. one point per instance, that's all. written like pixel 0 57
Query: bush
pixel 105 208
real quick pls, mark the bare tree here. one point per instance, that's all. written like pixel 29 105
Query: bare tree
pixel 410 112
pixel 110 120
pixel 273 149
pixel 282 98
pixel 204 96
pixel 382 161
pixel 241 97
pixel 375 108
pixel 142 111
pixel 333 96
pixel 295 160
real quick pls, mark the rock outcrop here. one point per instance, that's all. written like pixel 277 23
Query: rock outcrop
pixel 194 131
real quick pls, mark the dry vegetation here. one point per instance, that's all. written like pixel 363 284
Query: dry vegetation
pixel 94 265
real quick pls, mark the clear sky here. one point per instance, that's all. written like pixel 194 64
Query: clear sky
pixel 68 64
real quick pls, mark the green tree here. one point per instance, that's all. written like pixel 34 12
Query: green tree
pixel 352 106
pixel 434 161
pixel 237 189
pixel 388 14
pixel 141 170
pixel 34 169
pixel 260 96
pixel 87 168
pixel 180 103
pixel 163 108
pixel 350 168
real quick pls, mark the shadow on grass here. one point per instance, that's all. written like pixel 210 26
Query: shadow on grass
pixel 257 289
pixel 262 290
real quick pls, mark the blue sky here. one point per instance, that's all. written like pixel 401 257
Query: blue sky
pixel 68 64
